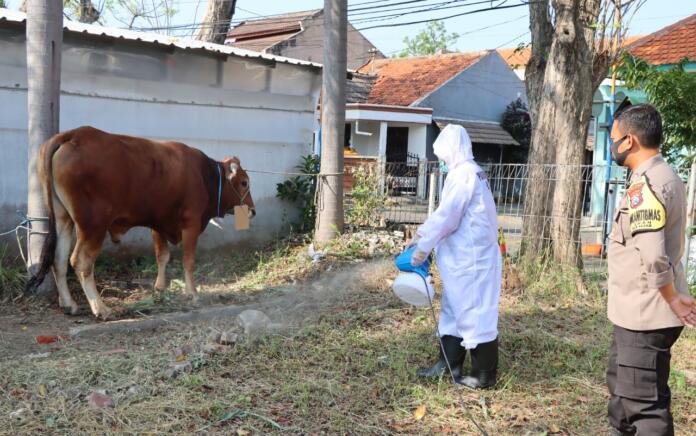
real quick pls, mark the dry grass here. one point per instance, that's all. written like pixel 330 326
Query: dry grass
pixel 347 368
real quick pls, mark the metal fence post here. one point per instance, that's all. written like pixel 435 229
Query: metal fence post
pixel 689 216
pixel 432 188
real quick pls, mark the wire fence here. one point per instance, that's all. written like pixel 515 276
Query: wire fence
pixel 412 190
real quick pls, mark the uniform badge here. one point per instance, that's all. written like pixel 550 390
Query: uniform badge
pixel 646 212
pixel 635 194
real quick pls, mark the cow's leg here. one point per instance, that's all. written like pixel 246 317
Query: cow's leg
pixel 82 260
pixel 162 253
pixel 190 238
pixel 64 230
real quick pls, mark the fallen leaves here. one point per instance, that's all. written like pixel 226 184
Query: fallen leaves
pixel 98 400
pixel 419 413
pixel 49 339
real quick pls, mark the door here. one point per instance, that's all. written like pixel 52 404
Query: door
pixel 397 144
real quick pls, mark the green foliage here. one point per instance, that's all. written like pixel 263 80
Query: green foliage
pixel 2 4
pixel 672 92
pixel 12 277
pixel 517 123
pixel 301 190
pixel 367 197
pixel 430 41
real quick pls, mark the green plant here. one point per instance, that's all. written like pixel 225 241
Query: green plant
pixel 301 190
pixel 672 92
pixel 12 277
pixel 517 123
pixel 367 198
pixel 430 41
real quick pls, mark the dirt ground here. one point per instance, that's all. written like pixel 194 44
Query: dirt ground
pixel 341 358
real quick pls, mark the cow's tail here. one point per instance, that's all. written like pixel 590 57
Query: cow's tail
pixel 44 166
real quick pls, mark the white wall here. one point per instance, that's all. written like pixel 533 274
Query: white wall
pixel 369 145
pixel 224 106
pixel 417 139
pixel 365 145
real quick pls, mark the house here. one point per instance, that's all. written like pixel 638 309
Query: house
pixel 669 45
pixel 396 107
pixel 217 98
pixel 518 57
pixel 298 35
pixel 662 49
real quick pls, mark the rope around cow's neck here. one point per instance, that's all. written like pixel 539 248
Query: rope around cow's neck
pixel 219 196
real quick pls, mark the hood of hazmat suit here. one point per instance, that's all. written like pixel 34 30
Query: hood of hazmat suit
pixel 463 230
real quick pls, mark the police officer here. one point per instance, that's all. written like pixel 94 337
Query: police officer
pixel 648 301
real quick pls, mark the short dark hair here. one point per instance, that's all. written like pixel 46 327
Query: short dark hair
pixel 643 121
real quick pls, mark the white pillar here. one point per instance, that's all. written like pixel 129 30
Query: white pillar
pixel 382 154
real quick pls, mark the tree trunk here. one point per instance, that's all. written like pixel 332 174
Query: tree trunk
pixel 572 71
pixel 537 200
pixel 216 21
pixel 44 44
pixel 333 118
pixel 561 105
pixel 88 13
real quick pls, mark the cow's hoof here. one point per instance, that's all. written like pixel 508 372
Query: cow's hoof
pixel 103 313
pixel 72 309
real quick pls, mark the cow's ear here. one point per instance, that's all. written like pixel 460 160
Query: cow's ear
pixel 231 170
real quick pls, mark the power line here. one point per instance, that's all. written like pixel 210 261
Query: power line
pixel 283 18
pixel 442 18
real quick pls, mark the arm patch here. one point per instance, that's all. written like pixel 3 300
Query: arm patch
pixel 646 212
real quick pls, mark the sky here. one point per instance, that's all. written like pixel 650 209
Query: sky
pixel 486 30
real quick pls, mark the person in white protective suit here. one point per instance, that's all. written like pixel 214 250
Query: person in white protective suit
pixel 463 232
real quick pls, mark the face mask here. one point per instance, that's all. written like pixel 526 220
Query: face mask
pixel 619 158
pixel 443 166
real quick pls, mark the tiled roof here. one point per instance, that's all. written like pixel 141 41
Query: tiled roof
pixel 518 57
pixel 481 132
pixel 266 32
pixel 358 88
pixel 668 45
pixel 404 81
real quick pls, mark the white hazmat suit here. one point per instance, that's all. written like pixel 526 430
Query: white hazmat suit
pixel 463 232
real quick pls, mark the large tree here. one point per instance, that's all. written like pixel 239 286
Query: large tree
pixel 216 21
pixel 574 43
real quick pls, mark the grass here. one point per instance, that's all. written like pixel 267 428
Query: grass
pixel 12 277
pixel 346 368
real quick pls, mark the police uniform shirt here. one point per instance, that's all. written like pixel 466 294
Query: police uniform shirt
pixel 646 248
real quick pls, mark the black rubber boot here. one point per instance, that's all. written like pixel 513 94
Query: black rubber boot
pixel 484 367
pixel 455 355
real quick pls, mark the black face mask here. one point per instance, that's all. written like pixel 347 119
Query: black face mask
pixel 619 158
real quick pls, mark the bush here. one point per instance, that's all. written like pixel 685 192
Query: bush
pixel 301 191
pixel 368 199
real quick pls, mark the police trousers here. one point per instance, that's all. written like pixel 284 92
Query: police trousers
pixel 637 376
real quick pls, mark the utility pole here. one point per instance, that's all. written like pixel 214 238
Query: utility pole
pixel 333 119
pixel 44 45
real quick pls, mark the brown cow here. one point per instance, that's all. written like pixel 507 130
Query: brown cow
pixel 98 182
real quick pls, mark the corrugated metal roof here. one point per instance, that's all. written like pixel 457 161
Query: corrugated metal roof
pixel 159 39
pixel 480 131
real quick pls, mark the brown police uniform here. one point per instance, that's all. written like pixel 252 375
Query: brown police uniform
pixel 645 253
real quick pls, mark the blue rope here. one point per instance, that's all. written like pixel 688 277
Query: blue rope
pixel 219 189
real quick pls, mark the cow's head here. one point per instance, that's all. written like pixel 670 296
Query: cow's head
pixel 236 190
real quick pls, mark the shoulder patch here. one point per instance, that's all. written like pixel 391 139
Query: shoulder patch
pixel 645 211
